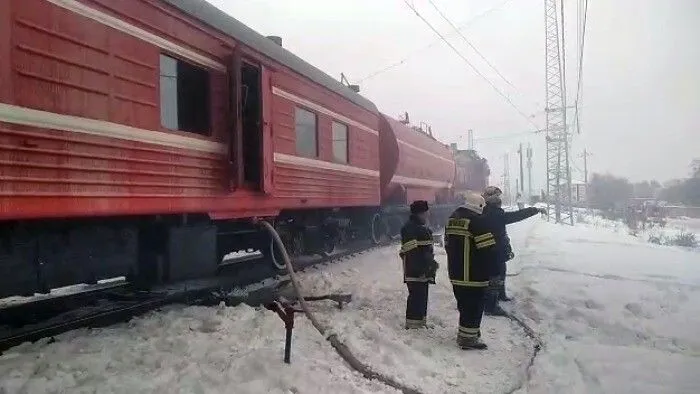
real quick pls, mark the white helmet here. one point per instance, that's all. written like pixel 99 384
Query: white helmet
pixel 474 202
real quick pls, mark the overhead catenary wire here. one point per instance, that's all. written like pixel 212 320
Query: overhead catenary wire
pixel 509 136
pixel 582 43
pixel 562 59
pixel 456 51
pixel 474 48
pixel 408 57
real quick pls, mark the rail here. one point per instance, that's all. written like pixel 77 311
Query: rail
pixel 118 309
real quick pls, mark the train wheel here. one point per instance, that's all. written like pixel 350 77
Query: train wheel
pixel 328 246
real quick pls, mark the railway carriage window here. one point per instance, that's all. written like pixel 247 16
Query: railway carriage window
pixel 184 96
pixel 340 142
pixel 305 126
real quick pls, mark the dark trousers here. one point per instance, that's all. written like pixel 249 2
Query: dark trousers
pixel 496 289
pixel 491 294
pixel 470 302
pixel 502 288
pixel 416 304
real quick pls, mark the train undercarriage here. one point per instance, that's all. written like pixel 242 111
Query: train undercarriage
pixel 37 256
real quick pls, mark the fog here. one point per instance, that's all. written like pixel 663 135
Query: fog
pixel 640 104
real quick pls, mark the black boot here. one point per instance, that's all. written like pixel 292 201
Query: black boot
pixel 502 296
pixel 471 343
pixel 414 324
pixel 491 307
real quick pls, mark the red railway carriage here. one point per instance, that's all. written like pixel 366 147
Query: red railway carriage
pixel 167 119
pixel 138 137
pixel 124 107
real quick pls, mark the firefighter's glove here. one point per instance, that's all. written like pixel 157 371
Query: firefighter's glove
pixel 511 255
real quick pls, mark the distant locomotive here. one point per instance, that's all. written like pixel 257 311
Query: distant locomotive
pixel 139 137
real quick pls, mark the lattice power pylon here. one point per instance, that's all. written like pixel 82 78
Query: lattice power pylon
pixel 557 137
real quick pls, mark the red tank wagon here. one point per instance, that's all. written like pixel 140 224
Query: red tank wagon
pixel 138 137
pixel 414 165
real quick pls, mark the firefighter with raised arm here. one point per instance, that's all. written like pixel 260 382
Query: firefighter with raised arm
pixel 497 219
pixel 470 247
pixel 419 266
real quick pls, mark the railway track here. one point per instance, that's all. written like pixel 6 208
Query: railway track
pixel 99 308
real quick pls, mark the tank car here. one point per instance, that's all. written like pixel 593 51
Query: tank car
pixel 414 166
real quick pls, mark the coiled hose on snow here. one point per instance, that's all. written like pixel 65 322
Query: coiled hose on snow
pixel 339 347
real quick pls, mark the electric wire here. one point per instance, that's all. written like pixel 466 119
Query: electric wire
pixel 579 83
pixel 408 57
pixel 474 48
pixel 458 53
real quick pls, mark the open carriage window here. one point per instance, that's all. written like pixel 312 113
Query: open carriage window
pixel 184 96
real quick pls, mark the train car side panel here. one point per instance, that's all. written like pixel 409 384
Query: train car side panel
pixel 6 27
pixel 83 129
pixel 167 22
pixel 81 134
pixel 317 173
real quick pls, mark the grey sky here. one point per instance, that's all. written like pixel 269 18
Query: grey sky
pixel 641 86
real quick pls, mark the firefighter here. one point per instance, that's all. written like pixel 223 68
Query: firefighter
pixel 470 246
pixel 419 266
pixel 497 219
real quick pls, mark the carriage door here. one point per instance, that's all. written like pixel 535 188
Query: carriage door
pixel 256 141
pixel 251 112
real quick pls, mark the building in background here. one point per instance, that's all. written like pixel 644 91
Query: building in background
pixel 578 192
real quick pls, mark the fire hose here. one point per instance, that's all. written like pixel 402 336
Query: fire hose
pixel 339 347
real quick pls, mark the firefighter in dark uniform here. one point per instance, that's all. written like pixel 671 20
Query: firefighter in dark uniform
pixel 419 266
pixel 470 246
pixel 497 220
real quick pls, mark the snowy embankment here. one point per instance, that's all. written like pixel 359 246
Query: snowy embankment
pixel 617 315
pixel 676 231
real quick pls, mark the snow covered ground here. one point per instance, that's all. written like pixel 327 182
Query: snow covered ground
pixel 183 350
pixel 616 315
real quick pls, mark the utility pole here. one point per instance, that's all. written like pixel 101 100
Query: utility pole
pixel 585 173
pixel 506 179
pixel 557 137
pixel 522 173
pixel 585 155
pixel 529 171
